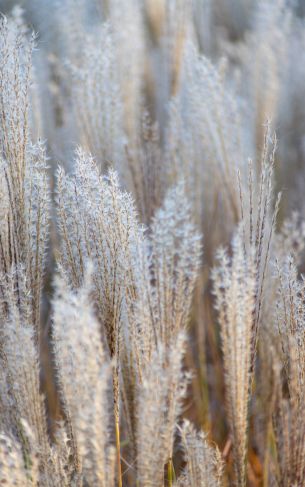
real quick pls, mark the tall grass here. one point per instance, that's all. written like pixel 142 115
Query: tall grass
pixel 151 244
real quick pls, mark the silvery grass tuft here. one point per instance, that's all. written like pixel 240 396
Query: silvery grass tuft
pixel 152 243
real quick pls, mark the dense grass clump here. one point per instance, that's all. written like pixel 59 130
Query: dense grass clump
pixel 152 304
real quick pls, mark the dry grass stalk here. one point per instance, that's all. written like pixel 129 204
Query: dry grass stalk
pixel 166 92
pixel 234 289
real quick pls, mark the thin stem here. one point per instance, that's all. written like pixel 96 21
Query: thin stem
pixel 170 472
pixel 118 449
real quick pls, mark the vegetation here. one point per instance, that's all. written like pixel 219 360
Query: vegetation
pixel 152 303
